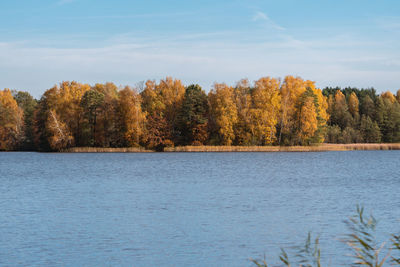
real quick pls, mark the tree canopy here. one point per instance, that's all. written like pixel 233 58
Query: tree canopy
pixel 159 114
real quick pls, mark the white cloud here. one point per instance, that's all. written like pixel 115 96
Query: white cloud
pixel 199 59
pixel 260 16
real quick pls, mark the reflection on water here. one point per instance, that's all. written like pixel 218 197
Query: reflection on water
pixel 186 209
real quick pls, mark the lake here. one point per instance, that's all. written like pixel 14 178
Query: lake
pixel 187 209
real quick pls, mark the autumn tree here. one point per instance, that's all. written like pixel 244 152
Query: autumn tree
pixel 311 116
pixel 300 99
pixel 321 106
pixel 264 113
pixel 291 90
pixel 69 107
pixel 223 114
pixel 131 117
pixel 60 136
pixel 307 119
pixel 60 106
pixel 50 131
pixel 354 107
pixel 172 92
pixel 243 101
pixel 11 121
pixel 151 99
pixel 193 116
pixel 159 132
pixel 389 96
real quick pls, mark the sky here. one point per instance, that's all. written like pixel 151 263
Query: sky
pixel 332 42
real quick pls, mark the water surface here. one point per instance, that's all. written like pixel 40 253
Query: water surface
pixel 186 209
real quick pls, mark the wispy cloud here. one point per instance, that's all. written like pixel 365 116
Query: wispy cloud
pixel 262 17
pixel 128 61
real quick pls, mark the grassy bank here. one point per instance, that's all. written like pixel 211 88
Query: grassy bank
pixel 316 148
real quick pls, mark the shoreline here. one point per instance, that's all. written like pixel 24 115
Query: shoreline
pixel 199 149
pixel 315 148
pixel 107 150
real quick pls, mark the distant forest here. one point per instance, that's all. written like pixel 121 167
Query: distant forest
pixel 164 114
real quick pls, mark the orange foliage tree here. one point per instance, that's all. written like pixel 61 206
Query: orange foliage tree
pixel 11 121
pixel 132 117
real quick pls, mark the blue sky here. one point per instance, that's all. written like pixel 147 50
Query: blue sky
pixel 341 42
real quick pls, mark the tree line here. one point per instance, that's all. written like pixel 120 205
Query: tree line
pixel 155 115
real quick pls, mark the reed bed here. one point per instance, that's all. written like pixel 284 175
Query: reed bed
pixel 107 150
pixel 313 148
pixel 394 146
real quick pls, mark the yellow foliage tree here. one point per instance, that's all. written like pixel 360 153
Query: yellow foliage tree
pixel 354 105
pixel 265 111
pixel 172 93
pixel 68 106
pixel 151 99
pixel 223 112
pixel 312 116
pixel 340 99
pixel 321 107
pixel 291 90
pixel 388 95
pixel 308 120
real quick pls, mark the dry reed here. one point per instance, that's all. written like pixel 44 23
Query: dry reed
pixel 314 148
pixel 107 150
